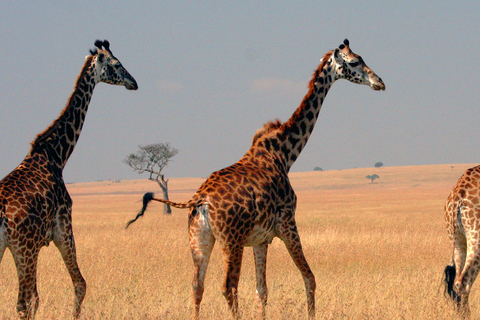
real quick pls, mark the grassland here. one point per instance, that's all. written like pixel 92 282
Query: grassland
pixel 377 250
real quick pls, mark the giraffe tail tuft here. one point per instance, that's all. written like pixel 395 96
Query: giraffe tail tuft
pixel 450 274
pixel 147 197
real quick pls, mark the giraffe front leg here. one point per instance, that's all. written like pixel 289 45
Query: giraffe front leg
pixel 28 300
pixel 290 237
pixel 66 246
pixel 260 255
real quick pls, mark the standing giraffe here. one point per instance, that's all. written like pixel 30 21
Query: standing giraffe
pixel 252 201
pixel 35 207
pixel 462 213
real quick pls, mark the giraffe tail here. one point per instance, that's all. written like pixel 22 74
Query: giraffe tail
pixel 182 205
pixel 450 274
pixel 149 196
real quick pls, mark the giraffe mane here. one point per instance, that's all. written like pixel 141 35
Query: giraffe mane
pixel 267 128
pixel 276 124
pixel 43 136
pixel 324 60
pixel 311 88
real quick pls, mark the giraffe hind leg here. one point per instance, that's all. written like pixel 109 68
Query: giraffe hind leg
pixel 456 234
pixel 463 282
pixel 233 262
pixel 463 249
pixel 201 258
pixel 28 299
pixel 201 246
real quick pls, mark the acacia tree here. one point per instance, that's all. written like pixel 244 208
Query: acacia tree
pixel 373 177
pixel 153 158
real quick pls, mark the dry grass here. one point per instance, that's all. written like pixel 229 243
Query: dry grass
pixel 377 250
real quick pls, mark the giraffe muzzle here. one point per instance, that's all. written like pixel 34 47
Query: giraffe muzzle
pixel 131 84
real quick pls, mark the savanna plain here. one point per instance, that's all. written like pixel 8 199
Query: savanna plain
pixel 378 251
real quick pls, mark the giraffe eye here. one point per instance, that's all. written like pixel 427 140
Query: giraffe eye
pixel 353 64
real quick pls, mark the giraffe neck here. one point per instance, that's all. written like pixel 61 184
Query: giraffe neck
pixel 60 138
pixel 297 130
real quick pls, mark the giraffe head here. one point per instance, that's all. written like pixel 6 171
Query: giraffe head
pixel 351 66
pixel 109 68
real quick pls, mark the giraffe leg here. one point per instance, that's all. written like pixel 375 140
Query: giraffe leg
pixel 232 256
pixel 290 237
pixel 464 281
pixel 66 246
pixel 28 300
pixel 201 246
pixel 456 235
pixel 459 262
pixel 260 254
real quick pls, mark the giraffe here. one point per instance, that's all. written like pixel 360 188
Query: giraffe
pixel 35 207
pixel 252 201
pixel 462 213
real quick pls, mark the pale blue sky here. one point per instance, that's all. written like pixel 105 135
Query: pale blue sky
pixel 210 73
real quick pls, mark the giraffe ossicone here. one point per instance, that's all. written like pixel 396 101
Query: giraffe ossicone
pixel 251 202
pixel 35 207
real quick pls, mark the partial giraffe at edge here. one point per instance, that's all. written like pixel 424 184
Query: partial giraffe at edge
pixel 251 202
pixel 35 207
pixel 462 217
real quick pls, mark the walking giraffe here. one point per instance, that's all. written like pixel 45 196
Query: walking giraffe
pixel 252 201
pixel 35 207
pixel 462 214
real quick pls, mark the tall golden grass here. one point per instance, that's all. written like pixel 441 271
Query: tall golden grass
pixel 378 251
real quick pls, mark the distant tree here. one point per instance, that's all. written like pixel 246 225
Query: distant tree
pixel 153 158
pixel 378 164
pixel 317 169
pixel 372 177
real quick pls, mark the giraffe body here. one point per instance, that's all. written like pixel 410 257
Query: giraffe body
pixel 252 201
pixel 35 207
pixel 462 216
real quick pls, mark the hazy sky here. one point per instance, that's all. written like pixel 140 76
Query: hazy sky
pixel 210 73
